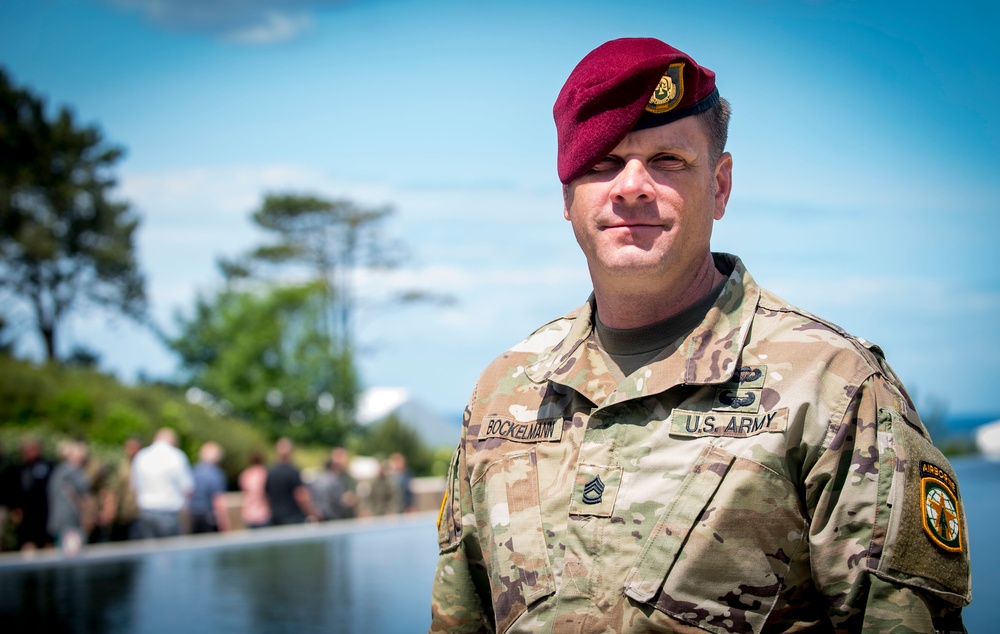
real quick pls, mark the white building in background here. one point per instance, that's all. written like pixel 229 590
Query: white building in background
pixel 988 439
pixel 378 403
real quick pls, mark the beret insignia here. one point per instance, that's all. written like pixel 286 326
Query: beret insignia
pixel 669 91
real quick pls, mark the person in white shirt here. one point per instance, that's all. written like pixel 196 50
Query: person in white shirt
pixel 162 479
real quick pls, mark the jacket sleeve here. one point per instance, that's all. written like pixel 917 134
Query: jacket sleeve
pixel 887 537
pixel 460 601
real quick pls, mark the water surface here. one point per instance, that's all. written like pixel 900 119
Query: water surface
pixel 347 577
pixel 339 577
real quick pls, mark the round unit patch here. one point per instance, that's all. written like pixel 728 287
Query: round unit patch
pixel 941 513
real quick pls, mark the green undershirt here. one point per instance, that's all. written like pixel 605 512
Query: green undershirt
pixel 630 349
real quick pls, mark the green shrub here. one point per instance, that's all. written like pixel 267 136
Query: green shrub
pixel 392 435
pixel 120 423
pixel 71 411
pixel 55 403
pixel 22 388
pixel 442 460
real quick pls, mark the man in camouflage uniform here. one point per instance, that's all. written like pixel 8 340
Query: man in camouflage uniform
pixel 687 452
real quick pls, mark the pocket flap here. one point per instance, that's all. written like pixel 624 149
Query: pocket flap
pixel 509 520
pixel 661 549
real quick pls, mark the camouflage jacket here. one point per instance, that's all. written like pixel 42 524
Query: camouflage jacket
pixel 765 473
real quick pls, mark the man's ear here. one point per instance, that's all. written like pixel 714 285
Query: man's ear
pixel 723 184
pixel 565 192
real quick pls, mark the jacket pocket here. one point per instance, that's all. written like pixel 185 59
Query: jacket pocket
pixel 718 557
pixel 509 521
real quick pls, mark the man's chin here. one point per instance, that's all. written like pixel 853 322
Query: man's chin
pixel 631 267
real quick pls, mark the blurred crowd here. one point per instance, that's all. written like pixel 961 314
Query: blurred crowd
pixel 73 499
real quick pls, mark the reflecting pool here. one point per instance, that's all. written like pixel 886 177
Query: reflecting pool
pixel 342 577
pixel 338 577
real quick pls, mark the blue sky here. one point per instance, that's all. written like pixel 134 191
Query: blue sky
pixel 864 139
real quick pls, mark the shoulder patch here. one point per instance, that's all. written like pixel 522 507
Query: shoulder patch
pixel 942 516
pixel 923 539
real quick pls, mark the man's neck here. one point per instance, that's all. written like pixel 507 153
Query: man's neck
pixel 624 308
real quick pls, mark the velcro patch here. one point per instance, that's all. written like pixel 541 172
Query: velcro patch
pixel 737 400
pixel 750 376
pixel 941 512
pixel 541 430
pixel 595 489
pixel 726 424
pixel 743 392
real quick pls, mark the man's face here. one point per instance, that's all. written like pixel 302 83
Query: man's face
pixel 132 447
pixel 647 208
pixel 31 451
pixel 338 458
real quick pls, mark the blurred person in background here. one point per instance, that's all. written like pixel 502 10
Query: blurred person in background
pixel 254 510
pixel 119 509
pixel 384 496
pixel 287 495
pixel 340 462
pixel 327 490
pixel 403 476
pixel 7 480
pixel 208 506
pixel 98 475
pixel 162 479
pixel 30 497
pixel 335 489
pixel 69 498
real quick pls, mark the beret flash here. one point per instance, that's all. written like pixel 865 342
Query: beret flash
pixel 620 86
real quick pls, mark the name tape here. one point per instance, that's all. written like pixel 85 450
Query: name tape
pixel 727 424
pixel 542 430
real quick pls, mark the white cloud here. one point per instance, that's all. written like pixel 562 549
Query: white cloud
pixel 275 27
pixel 245 21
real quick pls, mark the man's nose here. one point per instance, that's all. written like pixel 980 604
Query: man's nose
pixel 633 183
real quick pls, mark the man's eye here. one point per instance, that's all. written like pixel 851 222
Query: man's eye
pixel 606 164
pixel 667 159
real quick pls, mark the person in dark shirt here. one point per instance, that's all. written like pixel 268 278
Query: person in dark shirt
pixel 30 496
pixel 288 497
pixel 8 485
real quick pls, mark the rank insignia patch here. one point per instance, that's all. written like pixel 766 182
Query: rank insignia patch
pixel 669 91
pixel 595 488
pixel 941 513
pixel 593 491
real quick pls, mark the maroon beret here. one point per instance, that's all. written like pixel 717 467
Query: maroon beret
pixel 620 86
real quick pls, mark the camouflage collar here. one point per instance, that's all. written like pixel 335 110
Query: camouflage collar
pixel 707 355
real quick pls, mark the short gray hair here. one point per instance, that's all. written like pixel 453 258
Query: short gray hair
pixel 716 122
